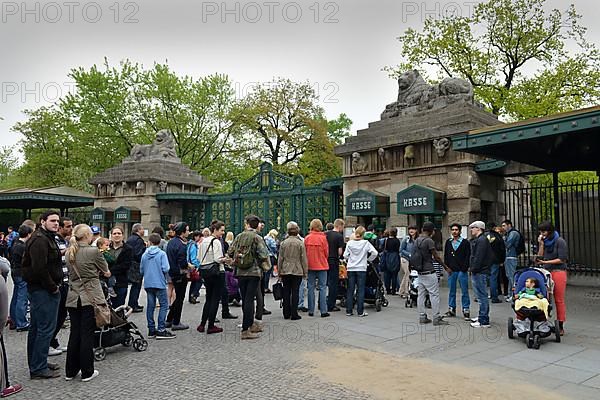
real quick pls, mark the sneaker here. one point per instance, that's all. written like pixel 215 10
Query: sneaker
pixel 424 320
pixel 364 314
pixel 151 334
pixel 478 325
pixel 229 316
pixel 54 352
pixel 247 334
pixel 325 315
pixel 160 335
pixel 349 314
pixel 256 328
pixel 45 375
pixel 200 328
pixel 70 378
pixel 508 299
pixel 89 378
pixel 467 315
pixel 62 348
pixel 440 321
pixel 214 329
pixel 180 327
pixel 303 309
pixel 451 312
pixel 266 312
pixel 474 319
pixel 12 389
pixel 53 366
pixel 137 309
pixel 311 314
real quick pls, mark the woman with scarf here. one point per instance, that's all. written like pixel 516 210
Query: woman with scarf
pixel 553 251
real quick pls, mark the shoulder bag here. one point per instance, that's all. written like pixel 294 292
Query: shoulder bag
pixel 101 311
pixel 214 268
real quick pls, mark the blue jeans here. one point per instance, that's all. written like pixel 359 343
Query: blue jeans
pixel 463 280
pixel 152 295
pixel 356 278
pixel 494 281
pixel 510 265
pixel 44 310
pixel 121 296
pixel 134 295
pixel 480 288
pixel 195 288
pixel 322 277
pixel 18 303
pixel 301 293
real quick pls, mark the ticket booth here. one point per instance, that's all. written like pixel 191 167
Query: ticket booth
pixel 370 207
pixel 423 203
pixel 126 217
pixel 103 217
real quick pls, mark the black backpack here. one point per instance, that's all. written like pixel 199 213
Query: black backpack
pixel 416 257
pixel 520 244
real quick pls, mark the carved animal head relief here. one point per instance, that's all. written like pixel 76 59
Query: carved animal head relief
pixel 358 163
pixel 441 146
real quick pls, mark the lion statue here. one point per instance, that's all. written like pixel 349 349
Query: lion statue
pixel 358 163
pixel 162 147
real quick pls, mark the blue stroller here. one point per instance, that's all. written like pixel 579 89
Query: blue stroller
pixel 531 322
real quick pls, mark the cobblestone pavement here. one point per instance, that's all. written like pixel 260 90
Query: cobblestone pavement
pixel 200 366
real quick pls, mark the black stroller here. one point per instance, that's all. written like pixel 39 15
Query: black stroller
pixel 531 323
pixel 121 331
pixel 375 289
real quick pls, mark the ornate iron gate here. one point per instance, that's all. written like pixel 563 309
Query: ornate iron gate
pixel 579 216
pixel 273 196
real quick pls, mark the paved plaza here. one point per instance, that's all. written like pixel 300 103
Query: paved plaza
pixel 385 355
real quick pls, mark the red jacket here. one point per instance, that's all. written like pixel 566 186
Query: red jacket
pixel 317 251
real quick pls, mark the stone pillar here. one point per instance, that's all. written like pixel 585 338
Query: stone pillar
pixel 462 193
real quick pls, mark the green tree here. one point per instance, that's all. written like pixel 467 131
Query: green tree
pixel 495 47
pixel 9 166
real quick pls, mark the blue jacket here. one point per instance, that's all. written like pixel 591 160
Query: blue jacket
pixel 406 247
pixel 153 268
pixel 511 241
pixel 192 254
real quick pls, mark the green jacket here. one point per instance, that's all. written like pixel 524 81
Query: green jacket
pixel 261 255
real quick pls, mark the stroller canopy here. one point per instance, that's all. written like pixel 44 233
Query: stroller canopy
pixel 522 276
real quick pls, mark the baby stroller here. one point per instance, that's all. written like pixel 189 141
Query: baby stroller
pixel 375 288
pixel 531 323
pixel 413 291
pixel 120 331
pixel 342 287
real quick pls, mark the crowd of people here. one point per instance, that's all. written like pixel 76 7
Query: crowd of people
pixel 60 271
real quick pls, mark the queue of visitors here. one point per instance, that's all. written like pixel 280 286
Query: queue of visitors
pixel 58 269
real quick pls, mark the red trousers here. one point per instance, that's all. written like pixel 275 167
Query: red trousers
pixel 560 286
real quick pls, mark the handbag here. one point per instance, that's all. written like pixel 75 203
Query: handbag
pixel 278 291
pixel 101 311
pixel 214 268
pixel 194 275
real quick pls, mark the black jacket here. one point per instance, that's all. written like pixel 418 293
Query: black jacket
pixel 498 246
pixel 457 260
pixel 41 266
pixel 138 247
pixel 482 256
pixel 121 266
pixel 17 251
pixel 177 255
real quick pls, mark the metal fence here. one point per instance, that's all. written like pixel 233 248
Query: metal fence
pixel 577 221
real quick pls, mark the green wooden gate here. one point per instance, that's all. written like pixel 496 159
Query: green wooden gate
pixel 273 196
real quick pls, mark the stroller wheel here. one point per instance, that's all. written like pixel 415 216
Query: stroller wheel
pixel 99 354
pixel 128 340
pixel 556 331
pixel 343 302
pixel 140 344
pixel 385 303
pixel 511 328
pixel 529 340
pixel 536 342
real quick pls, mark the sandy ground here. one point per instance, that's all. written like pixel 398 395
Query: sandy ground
pixel 386 377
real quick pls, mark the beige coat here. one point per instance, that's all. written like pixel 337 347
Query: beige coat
pixel 90 263
pixel 292 257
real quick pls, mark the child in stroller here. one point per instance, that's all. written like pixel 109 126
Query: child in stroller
pixel 531 302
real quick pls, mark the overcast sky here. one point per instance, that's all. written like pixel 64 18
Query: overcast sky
pixel 339 46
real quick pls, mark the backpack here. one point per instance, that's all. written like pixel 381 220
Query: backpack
pixel 520 244
pixel 416 257
pixel 244 253
pixel 498 246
